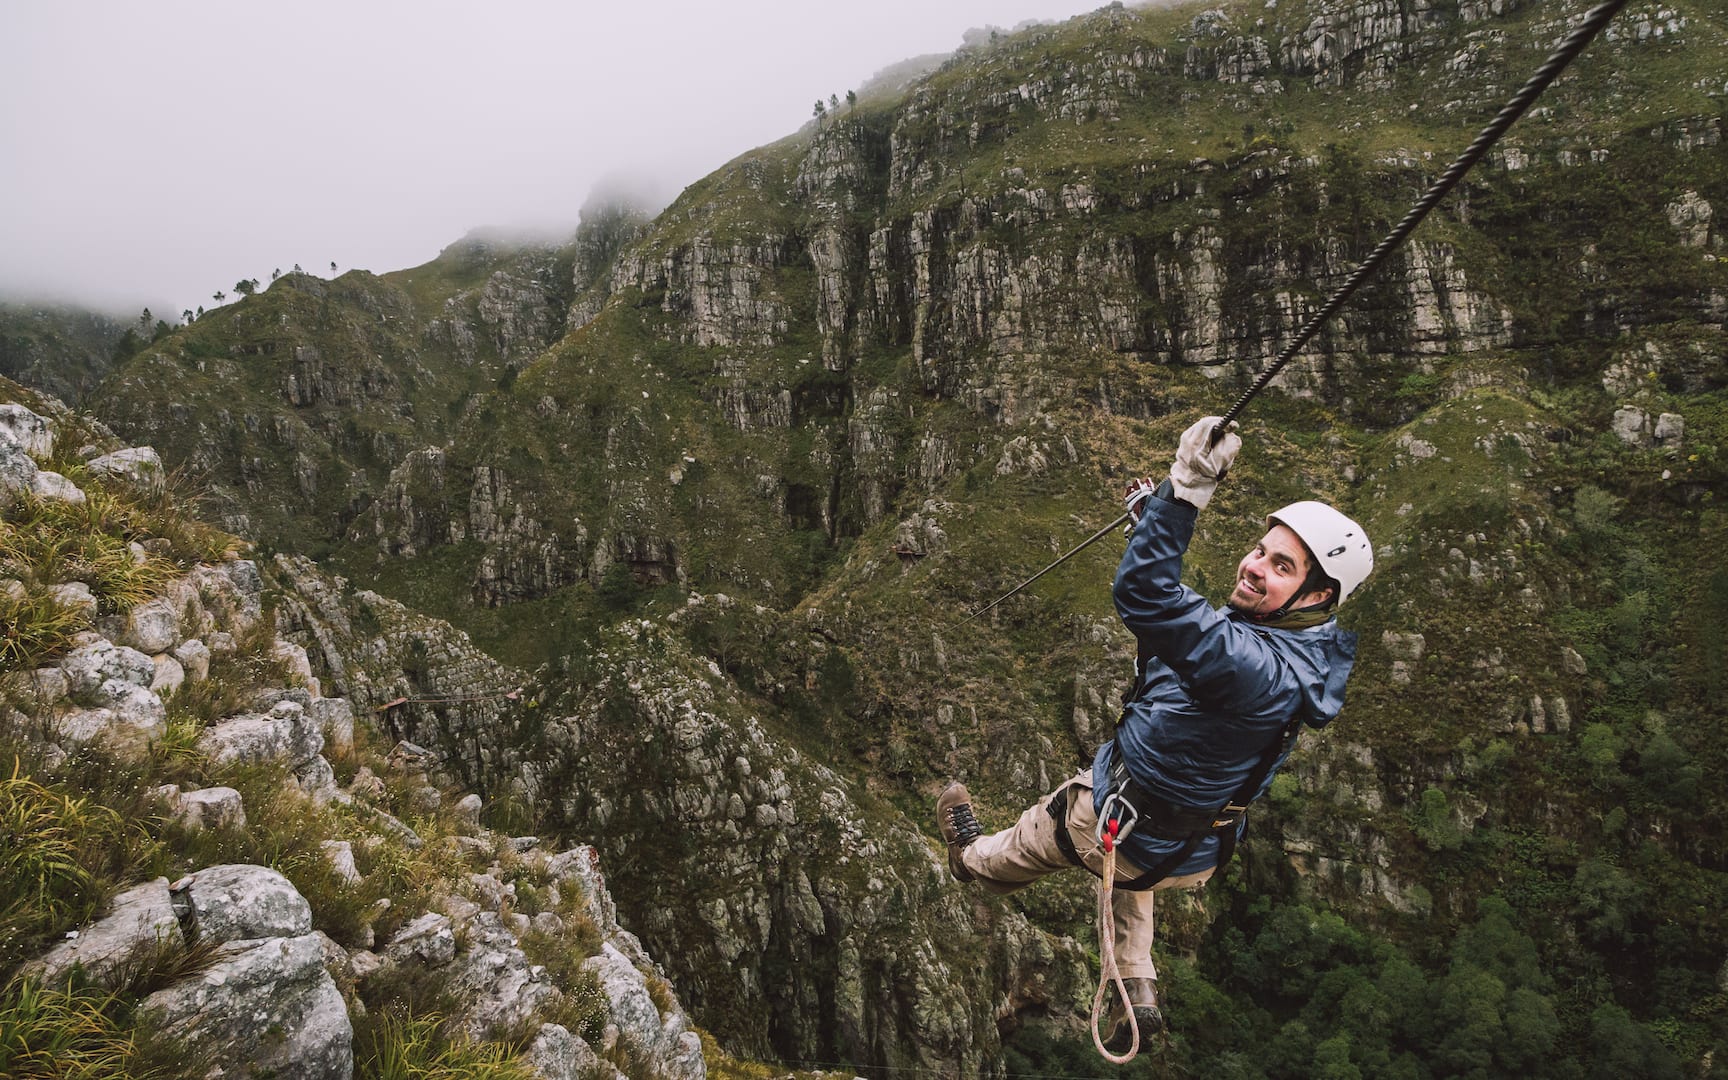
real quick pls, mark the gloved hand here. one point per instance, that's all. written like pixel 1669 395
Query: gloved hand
pixel 1136 495
pixel 1198 466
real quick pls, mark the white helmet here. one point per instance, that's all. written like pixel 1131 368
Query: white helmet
pixel 1339 544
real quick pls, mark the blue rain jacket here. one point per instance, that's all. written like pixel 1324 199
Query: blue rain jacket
pixel 1215 688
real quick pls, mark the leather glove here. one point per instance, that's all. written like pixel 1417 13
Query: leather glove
pixel 1136 495
pixel 1198 466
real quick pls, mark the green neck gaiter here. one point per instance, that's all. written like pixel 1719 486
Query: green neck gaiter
pixel 1301 619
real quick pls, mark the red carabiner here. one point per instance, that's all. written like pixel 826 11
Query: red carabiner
pixel 1109 837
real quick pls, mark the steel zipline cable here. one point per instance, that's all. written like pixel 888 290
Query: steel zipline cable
pixel 1568 50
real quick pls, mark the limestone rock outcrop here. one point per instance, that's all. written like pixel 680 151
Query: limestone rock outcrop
pixel 266 1005
pixel 818 882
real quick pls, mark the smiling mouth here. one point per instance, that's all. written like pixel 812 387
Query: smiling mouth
pixel 1244 585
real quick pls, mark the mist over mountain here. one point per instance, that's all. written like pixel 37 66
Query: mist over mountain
pixel 63 349
pixel 663 536
pixel 132 184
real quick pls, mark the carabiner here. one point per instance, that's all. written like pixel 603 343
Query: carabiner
pixel 1116 820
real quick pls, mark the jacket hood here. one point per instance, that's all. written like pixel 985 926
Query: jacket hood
pixel 1323 657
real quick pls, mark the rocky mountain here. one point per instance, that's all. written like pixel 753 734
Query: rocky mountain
pixel 59 348
pixel 296 406
pixel 727 481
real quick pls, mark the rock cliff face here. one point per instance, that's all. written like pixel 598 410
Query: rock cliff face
pixel 522 558
pixel 516 312
pixel 809 919
pixel 1029 203
pixel 420 679
pixel 611 224
pixel 907 233
pixel 297 404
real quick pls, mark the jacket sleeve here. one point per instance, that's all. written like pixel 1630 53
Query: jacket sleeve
pixel 1224 664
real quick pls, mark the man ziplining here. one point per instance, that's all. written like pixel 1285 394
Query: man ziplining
pixel 1218 698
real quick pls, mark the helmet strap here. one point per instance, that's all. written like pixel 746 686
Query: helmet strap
pixel 1316 580
pixel 1301 618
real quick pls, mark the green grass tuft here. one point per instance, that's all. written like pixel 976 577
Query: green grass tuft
pixel 80 1029
pixel 61 856
pixel 392 1045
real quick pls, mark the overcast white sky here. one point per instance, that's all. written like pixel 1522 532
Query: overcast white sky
pixel 153 153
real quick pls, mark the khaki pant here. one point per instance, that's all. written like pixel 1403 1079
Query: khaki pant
pixel 1016 857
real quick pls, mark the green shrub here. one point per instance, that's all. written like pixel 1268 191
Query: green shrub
pixel 285 830
pixel 1433 823
pixel 562 954
pixel 44 543
pixel 617 589
pixel 50 542
pixel 1597 513
pixel 584 1009
pixel 34 628
pixel 78 1027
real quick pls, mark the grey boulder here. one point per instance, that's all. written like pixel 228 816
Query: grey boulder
pixel 667 1040
pixel 153 626
pixel 210 808
pixel 139 466
pixel 132 720
pixel 17 470
pixel 139 921
pixel 497 988
pixel 237 901
pixel 97 673
pixel 286 733
pixel 266 1008
pixel 557 1053
pixel 52 487
pixel 27 430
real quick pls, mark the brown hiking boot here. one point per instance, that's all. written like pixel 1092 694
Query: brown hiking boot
pixel 1143 996
pixel 959 826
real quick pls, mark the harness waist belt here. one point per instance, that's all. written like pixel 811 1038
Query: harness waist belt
pixel 1058 810
pixel 1163 819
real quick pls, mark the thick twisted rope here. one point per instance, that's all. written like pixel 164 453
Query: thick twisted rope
pixel 1574 43
pixel 1108 973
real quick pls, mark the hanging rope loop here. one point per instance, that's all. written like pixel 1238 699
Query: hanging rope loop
pixel 1108 974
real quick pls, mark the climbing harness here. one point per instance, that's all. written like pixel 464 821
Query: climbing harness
pixel 1127 806
pixel 1568 50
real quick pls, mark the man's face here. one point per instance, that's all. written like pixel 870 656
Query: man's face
pixel 1270 574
